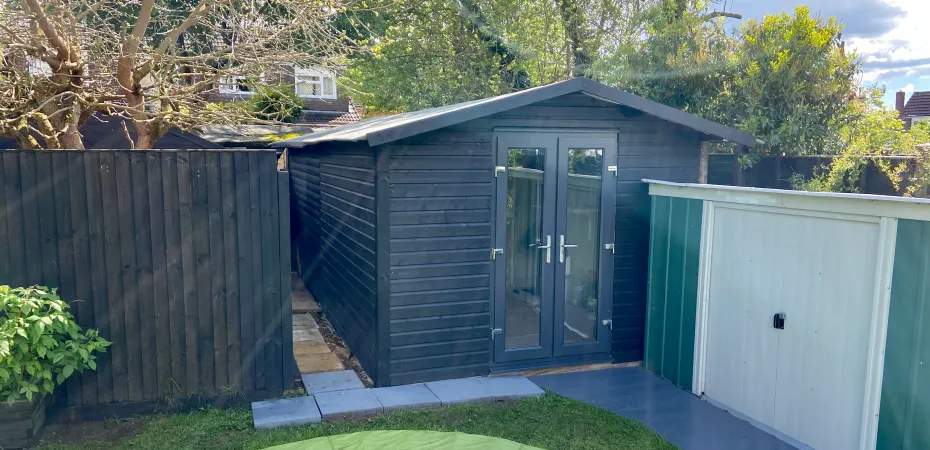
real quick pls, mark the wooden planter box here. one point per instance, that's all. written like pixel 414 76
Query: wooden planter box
pixel 21 423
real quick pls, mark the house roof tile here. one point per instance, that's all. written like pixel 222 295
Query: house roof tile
pixel 918 105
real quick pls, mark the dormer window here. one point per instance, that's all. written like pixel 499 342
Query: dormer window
pixel 312 83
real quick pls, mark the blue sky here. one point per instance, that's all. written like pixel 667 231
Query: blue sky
pixel 891 36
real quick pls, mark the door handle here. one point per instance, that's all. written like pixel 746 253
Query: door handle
pixel 547 248
pixel 779 321
pixel 563 246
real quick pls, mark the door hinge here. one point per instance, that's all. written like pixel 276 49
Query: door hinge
pixel 612 169
pixel 495 332
pixel 609 247
pixel 495 252
pixel 608 323
pixel 499 169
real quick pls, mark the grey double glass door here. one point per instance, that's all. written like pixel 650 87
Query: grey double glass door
pixel 554 233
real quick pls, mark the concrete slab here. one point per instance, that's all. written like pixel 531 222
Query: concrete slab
pixel 311 348
pixel 461 390
pixel 345 404
pixel 304 321
pixel 318 363
pixel 411 396
pixel 303 335
pixel 331 381
pixel 285 412
pixel 510 387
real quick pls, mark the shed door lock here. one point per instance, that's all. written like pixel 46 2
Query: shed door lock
pixel 495 252
pixel 495 332
pixel 499 169
pixel 779 321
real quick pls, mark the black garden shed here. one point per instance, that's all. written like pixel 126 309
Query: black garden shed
pixel 493 235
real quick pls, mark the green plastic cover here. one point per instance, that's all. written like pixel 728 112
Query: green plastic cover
pixel 404 440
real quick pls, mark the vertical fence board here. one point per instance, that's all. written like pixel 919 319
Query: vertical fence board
pixel 217 269
pixel 189 271
pixel 284 260
pixel 174 274
pixel 180 258
pixel 81 244
pixel 160 346
pixel 246 300
pixel 146 303
pixel 116 306
pixel 258 289
pixel 231 261
pixel 98 270
pixel 204 263
pixel 126 206
pixel 33 261
pixel 271 299
pixel 14 219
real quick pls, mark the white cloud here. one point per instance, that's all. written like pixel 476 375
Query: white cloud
pixel 908 89
pixel 903 50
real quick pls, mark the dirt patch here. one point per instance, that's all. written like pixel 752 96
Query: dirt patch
pixel 339 348
pixel 106 432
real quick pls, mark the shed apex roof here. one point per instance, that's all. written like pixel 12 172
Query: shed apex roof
pixel 380 130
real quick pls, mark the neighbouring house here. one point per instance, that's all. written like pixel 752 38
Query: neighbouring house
pixel 494 235
pixel 323 107
pixel 915 109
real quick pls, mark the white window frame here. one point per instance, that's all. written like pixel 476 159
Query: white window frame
pixel 302 75
pixel 228 86
pixel 37 67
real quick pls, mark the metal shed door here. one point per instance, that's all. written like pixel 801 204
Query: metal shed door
pixel 804 375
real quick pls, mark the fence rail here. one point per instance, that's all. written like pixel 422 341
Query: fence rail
pixel 179 257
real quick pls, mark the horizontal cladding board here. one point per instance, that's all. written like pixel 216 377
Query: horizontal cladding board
pixel 351 173
pixel 418 176
pixel 363 199
pixel 439 296
pixel 439 361
pixel 366 161
pixel 441 162
pixel 438 257
pixel 563 112
pixel 440 203
pixel 414 152
pixel 441 190
pixel 336 227
pixel 440 348
pixel 347 208
pixel 440 243
pixel 341 254
pixel 445 373
pixel 357 287
pixel 440 309
pixel 439 322
pixel 435 283
pixel 440 270
pixel 440 217
pixel 348 184
pixel 456 135
pixel 440 230
pixel 440 335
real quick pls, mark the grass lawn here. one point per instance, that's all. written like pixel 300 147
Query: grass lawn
pixel 551 422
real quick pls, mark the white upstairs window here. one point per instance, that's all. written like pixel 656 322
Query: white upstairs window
pixel 314 83
pixel 240 84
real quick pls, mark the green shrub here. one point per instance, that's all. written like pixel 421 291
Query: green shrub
pixel 276 104
pixel 40 344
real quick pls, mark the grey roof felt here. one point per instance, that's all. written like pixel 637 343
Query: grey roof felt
pixel 380 130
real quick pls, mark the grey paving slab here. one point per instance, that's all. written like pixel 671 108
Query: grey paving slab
pixel 284 412
pixel 303 335
pixel 679 416
pixel 411 396
pixel 510 387
pixel 331 381
pixel 344 404
pixel 461 390
pixel 304 321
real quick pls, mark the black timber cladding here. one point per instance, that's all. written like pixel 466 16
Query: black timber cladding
pixel 334 202
pixel 439 231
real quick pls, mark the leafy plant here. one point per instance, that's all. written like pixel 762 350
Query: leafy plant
pixel 40 343
pixel 276 104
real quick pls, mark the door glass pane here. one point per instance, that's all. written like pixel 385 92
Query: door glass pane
pixel 525 260
pixel 582 229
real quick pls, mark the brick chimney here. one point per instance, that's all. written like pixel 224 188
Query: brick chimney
pixel 899 104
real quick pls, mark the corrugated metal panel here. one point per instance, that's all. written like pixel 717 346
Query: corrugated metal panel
pixel 673 273
pixel 905 407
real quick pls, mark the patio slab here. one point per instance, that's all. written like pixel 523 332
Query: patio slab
pixel 679 416
pixel 285 412
pixel 302 335
pixel 483 389
pixel 345 404
pixel 331 381
pixel 411 396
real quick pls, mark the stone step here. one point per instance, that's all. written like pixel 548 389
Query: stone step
pixel 484 389
pixel 285 412
pixel 331 381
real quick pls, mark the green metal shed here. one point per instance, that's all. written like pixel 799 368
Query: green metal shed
pixel 801 312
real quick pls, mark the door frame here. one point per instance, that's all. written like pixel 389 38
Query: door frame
pixel 881 301
pixel 575 353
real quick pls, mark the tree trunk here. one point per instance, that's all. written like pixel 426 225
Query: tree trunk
pixel 574 22
pixel 702 165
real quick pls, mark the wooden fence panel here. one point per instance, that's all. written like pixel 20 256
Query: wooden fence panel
pixel 179 257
